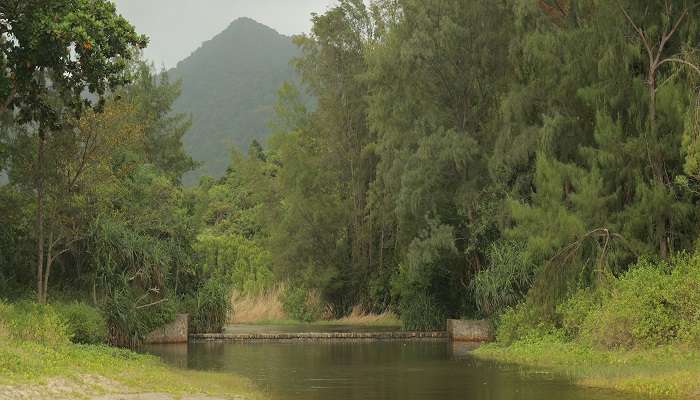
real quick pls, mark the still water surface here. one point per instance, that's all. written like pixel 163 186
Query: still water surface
pixel 387 370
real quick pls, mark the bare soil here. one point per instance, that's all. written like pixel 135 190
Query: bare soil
pixel 89 387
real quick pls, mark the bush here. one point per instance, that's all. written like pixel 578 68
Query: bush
pixel 575 310
pixel 240 261
pixel 522 322
pixel 85 323
pixel 300 304
pixel 34 322
pixel 210 307
pixel 651 304
pixel 507 279
pixel 690 333
pixel 420 312
pixel 128 325
pixel 639 312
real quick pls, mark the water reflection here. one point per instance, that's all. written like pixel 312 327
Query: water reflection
pixel 344 370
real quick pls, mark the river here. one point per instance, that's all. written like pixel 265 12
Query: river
pixel 387 370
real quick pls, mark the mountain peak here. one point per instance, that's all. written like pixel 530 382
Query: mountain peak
pixel 246 25
pixel 229 86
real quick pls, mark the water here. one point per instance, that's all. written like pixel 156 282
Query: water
pixel 387 370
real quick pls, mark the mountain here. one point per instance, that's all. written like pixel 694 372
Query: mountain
pixel 229 86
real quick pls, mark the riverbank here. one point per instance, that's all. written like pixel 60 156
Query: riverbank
pixel 671 371
pixel 34 371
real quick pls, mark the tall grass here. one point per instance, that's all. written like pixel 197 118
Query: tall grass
pixel 358 316
pixel 267 307
pixel 252 308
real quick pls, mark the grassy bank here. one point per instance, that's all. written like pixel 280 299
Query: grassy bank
pixel 83 371
pixel 671 371
pixel 41 359
pixel 637 332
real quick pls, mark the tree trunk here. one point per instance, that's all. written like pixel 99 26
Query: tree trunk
pixel 40 217
pixel 47 272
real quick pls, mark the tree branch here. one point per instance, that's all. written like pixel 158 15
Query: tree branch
pixel 640 32
pixel 667 35
pixel 694 67
pixel 151 304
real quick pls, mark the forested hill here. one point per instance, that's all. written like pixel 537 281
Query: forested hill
pixel 229 86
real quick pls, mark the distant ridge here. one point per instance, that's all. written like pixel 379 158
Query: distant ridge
pixel 229 86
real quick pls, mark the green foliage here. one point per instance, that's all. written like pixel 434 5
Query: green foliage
pixel 506 281
pixel 445 170
pixel 652 304
pixel 40 323
pixel 421 306
pixel 522 322
pixel 237 261
pixel 128 321
pixel 575 310
pixel 299 305
pixel 152 97
pixel 209 309
pixel 421 312
pixel 83 44
pixel 85 323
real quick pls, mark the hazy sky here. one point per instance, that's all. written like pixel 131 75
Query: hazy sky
pixel 178 27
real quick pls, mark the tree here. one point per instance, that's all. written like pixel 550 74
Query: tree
pixel 603 140
pixel 52 52
pixel 329 158
pixel 435 81
pixel 662 31
pixel 153 96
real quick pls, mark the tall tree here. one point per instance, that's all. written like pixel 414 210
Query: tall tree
pixel 608 176
pixel 331 66
pixel 435 84
pixel 52 52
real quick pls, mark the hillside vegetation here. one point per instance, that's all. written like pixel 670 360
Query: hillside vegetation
pixel 229 86
pixel 532 162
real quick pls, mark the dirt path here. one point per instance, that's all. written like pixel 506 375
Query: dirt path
pixel 89 387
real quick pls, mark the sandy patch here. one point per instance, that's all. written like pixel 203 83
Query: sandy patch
pixel 89 387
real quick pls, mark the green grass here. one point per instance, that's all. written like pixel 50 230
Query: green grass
pixel 669 371
pixel 28 363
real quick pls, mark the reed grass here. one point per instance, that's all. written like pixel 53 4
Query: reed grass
pixel 266 308
pixel 248 309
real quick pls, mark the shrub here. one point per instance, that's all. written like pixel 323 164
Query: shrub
pixel 521 322
pixel 421 312
pixel 35 322
pixel 639 312
pixel 424 287
pixel 651 304
pixel 210 307
pixel 301 304
pixel 690 333
pixel 238 260
pixel 574 311
pixel 85 323
pixel 507 279
pixel 128 325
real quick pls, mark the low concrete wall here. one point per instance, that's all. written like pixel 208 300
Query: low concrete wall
pixel 279 336
pixel 470 330
pixel 174 332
